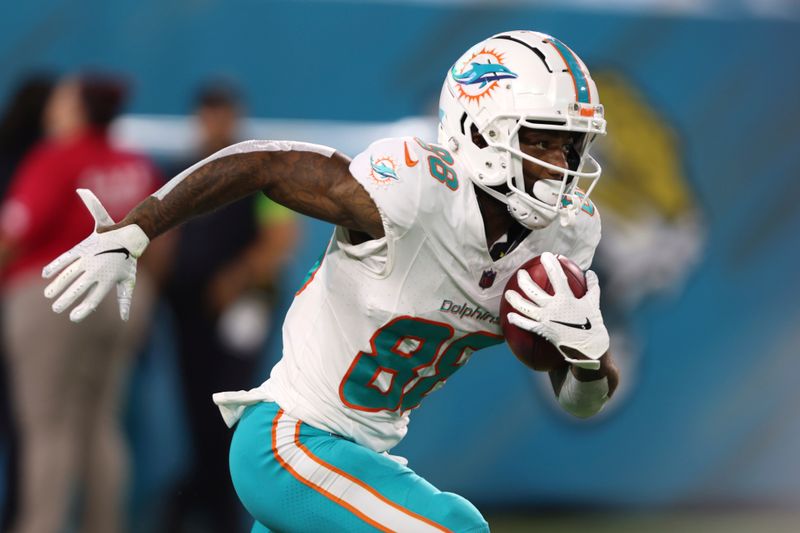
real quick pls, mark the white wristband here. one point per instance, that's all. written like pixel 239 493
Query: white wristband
pixel 243 148
pixel 583 398
pixel 134 239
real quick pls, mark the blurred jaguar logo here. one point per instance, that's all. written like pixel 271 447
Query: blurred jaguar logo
pixel 653 228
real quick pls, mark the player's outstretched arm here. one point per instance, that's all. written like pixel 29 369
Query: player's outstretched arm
pixel 310 179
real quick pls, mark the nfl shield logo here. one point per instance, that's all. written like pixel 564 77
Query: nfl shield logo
pixel 487 279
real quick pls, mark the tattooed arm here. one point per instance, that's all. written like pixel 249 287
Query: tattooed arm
pixel 306 181
pixel 310 179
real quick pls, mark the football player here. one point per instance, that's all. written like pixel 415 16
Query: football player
pixel 426 237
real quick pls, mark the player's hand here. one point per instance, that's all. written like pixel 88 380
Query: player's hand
pixel 96 264
pixel 574 325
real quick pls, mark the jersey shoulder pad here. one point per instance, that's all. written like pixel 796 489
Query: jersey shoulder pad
pixel 389 170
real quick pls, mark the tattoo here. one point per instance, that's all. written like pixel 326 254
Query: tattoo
pixel 307 182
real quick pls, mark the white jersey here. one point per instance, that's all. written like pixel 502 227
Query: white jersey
pixel 379 325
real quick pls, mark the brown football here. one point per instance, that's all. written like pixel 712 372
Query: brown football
pixel 531 349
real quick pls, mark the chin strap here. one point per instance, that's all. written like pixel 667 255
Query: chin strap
pixel 567 214
pixel 527 212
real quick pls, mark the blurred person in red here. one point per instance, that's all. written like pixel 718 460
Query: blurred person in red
pixel 20 129
pixel 222 290
pixel 67 385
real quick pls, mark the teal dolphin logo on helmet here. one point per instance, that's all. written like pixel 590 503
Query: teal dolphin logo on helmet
pixel 482 73
pixel 478 75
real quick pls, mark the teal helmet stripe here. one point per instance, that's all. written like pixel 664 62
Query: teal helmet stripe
pixel 582 93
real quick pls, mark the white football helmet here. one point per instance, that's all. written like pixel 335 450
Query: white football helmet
pixel 522 79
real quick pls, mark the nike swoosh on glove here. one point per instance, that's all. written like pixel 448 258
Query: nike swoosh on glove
pixel 96 264
pixel 571 324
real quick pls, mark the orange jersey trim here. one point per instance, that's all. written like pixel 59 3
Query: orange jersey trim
pixel 410 162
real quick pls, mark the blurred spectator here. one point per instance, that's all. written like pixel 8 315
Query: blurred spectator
pixel 67 380
pixel 20 129
pixel 21 123
pixel 222 291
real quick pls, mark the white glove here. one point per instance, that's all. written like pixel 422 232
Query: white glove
pixel 571 324
pixel 96 264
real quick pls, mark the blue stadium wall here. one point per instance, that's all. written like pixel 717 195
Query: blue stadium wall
pixel 711 411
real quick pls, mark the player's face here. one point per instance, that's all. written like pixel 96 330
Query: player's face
pixel 551 147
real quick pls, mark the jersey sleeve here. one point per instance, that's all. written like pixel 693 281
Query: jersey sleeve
pixel 389 172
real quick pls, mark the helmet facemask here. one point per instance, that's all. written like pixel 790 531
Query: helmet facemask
pixel 496 149
pixel 548 198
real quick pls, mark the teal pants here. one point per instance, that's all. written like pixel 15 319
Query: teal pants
pixel 293 477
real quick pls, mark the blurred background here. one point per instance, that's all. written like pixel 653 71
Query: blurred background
pixel 698 259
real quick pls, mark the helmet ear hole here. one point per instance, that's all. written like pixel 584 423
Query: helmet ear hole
pixel 477 138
